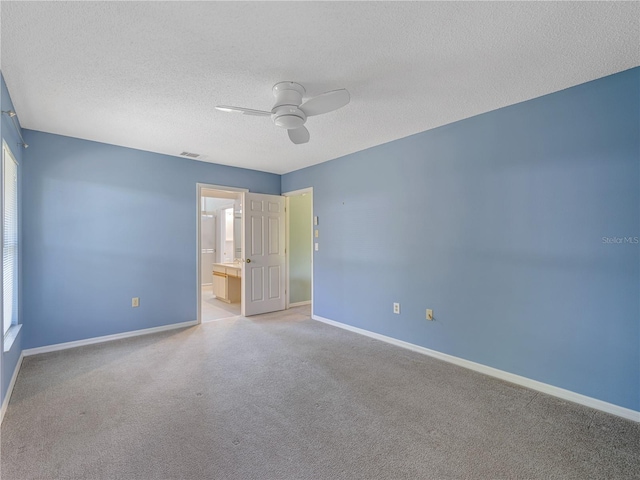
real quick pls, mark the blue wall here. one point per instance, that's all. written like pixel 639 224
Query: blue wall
pixel 103 224
pixel 9 134
pixel 497 223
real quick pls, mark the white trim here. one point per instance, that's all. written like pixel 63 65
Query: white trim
pixel 17 286
pixel 7 397
pixel 13 157
pixel 10 337
pixel 199 187
pixel 224 188
pixel 294 193
pixel 287 251
pixel 300 304
pixel 494 372
pixel 106 338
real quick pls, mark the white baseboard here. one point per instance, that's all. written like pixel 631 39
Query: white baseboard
pixel 5 403
pixel 494 372
pixel 106 338
pixel 299 304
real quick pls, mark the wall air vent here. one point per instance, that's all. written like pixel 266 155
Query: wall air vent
pixel 190 155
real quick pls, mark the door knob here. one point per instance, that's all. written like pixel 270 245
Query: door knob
pixel 248 260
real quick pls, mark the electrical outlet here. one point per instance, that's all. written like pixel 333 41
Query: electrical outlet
pixel 316 246
pixel 396 308
pixel 429 314
pixel 135 302
pixel 316 233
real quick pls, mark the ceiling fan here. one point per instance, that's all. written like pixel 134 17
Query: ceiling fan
pixel 289 112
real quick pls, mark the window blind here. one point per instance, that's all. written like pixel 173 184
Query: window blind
pixel 9 241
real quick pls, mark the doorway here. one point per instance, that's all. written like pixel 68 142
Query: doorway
pixel 240 240
pixel 219 251
pixel 301 236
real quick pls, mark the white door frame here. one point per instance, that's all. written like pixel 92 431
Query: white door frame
pixel 199 188
pixel 295 193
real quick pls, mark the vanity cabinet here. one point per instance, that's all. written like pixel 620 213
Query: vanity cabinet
pixel 227 282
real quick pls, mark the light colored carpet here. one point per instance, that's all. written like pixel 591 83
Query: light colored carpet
pixel 283 397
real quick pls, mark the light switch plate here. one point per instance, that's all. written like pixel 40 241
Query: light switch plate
pixel 315 220
pixel 429 314
pixel 316 246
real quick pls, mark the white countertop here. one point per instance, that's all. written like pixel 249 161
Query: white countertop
pixel 229 265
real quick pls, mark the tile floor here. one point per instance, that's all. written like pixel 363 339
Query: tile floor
pixel 214 309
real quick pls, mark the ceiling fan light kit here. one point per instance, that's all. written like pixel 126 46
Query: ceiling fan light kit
pixel 290 113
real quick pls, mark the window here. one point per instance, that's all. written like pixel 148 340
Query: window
pixel 9 239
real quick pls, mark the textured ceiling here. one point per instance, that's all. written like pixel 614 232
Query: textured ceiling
pixel 147 75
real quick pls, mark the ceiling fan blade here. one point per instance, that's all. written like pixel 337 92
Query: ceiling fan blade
pixel 244 111
pixel 299 135
pixel 326 102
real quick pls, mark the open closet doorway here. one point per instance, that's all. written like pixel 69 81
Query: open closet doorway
pixel 301 236
pixel 219 247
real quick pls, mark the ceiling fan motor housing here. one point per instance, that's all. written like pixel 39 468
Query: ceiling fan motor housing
pixel 288 117
pixel 285 112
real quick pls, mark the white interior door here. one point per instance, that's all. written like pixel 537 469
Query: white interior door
pixel 263 243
